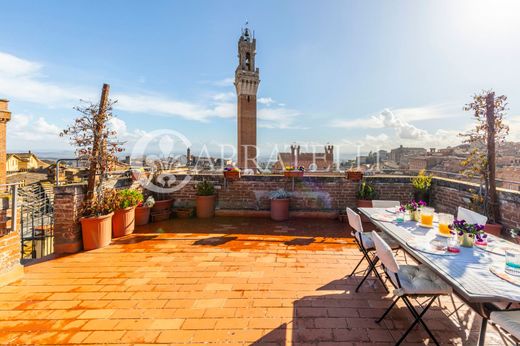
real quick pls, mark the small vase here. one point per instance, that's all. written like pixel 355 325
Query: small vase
pixel 416 215
pixel 467 240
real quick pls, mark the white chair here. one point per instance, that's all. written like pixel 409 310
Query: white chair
pixel 508 320
pixel 410 281
pixel 381 203
pixel 366 246
pixel 470 216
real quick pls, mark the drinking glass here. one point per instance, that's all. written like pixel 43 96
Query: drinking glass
pixel 513 262
pixel 399 217
pixel 427 216
pixel 445 220
pixel 453 244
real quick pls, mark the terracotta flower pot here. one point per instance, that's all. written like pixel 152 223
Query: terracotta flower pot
pixel 364 203
pixel 205 206
pixel 96 231
pixel 232 175
pixel 293 174
pixel 162 206
pixel 354 175
pixel 184 213
pixel 493 228
pixel 123 222
pixel 280 209
pixel 142 216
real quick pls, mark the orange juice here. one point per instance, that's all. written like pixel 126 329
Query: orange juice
pixel 444 229
pixel 426 220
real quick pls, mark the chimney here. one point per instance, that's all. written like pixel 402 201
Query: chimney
pixel 5 116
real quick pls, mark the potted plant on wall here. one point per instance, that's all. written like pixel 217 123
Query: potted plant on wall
pixel 292 171
pixel 142 211
pixel 96 143
pixel 354 174
pixel 231 173
pixel 421 185
pixel 488 111
pixel 365 194
pixel 279 205
pixel 123 221
pixel 205 199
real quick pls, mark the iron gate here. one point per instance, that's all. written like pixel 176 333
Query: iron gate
pixel 37 220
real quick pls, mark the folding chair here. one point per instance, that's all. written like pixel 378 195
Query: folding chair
pixel 366 246
pixel 381 203
pixel 508 320
pixel 470 216
pixel 410 281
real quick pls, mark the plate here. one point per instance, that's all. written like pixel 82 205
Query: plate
pixel 429 248
pixel 443 235
pixel 424 226
pixel 500 271
pixel 497 246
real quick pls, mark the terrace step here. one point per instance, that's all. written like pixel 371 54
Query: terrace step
pixel 329 214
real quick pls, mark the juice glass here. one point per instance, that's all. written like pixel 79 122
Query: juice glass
pixel 427 216
pixel 445 220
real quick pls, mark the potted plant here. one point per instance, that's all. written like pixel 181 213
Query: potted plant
pixel 123 221
pixel 469 233
pixel 183 213
pixel 279 205
pixel 205 199
pixel 488 111
pixel 291 171
pixel 515 234
pixel 96 222
pixel 96 142
pixel 365 194
pixel 231 173
pixel 421 185
pixel 413 209
pixel 142 211
pixel 354 175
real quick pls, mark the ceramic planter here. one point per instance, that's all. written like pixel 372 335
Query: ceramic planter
pixel 162 206
pixel 415 215
pixel 293 174
pixel 205 206
pixel 96 231
pixel 161 215
pixel 364 203
pixel 231 175
pixel 493 228
pixel 184 213
pixel 280 209
pixel 354 175
pixel 467 240
pixel 422 196
pixel 142 215
pixel 123 222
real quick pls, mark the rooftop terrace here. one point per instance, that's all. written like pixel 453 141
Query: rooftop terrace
pixel 232 281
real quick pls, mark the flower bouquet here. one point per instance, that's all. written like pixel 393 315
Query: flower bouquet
pixel 469 233
pixel 413 209
pixel 231 173
pixel 292 171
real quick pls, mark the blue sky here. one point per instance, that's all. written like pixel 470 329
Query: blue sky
pixel 370 73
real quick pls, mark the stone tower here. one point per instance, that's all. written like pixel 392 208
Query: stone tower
pixel 5 116
pixel 246 84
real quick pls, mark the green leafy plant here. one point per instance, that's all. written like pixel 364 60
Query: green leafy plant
pixel 366 191
pixel 279 194
pixel 422 182
pixel 205 188
pixel 128 198
pixel 148 203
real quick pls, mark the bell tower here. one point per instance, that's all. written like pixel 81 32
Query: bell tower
pixel 246 84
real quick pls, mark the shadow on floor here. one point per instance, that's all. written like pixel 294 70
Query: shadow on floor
pixel 133 239
pixel 214 241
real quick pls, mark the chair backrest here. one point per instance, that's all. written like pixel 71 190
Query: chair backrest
pixel 385 254
pixel 380 203
pixel 470 216
pixel 354 220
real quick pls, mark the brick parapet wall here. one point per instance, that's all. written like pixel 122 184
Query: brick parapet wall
pixel 448 195
pixel 67 230
pixel 10 244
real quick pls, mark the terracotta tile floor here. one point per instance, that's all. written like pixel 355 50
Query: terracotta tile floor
pixel 235 286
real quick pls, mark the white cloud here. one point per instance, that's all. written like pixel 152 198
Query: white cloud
pixel 224 97
pixel 403 129
pixel 22 80
pixel 24 127
pixel 265 101
pixel 226 82
pixel 278 118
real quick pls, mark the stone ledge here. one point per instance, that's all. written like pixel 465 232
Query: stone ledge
pixel 266 213
pixel 14 274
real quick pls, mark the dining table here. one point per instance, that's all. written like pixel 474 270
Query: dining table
pixel 474 273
